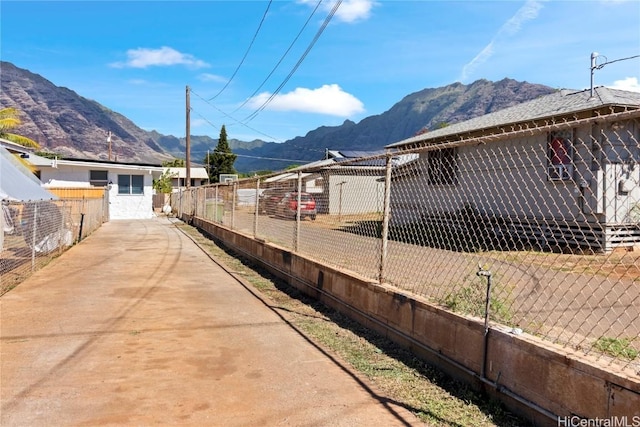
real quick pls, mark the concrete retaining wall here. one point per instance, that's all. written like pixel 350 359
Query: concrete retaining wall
pixel 534 378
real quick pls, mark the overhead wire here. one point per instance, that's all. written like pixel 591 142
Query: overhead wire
pixel 300 60
pixel 295 68
pixel 282 57
pixel 265 80
pixel 599 67
pixel 245 54
pixel 232 118
pixel 246 155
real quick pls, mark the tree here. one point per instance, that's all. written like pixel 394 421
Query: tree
pixel 175 163
pixel 9 120
pixel 164 183
pixel 222 159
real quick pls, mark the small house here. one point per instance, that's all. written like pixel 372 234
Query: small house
pixel 197 175
pixel 560 170
pixel 129 185
pixel 347 182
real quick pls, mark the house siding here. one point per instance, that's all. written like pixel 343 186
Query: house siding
pixel 502 178
pixel 121 206
pixel 508 179
pixel 131 206
pixel 360 194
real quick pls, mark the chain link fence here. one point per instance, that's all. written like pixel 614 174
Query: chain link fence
pixel 35 232
pixel 547 217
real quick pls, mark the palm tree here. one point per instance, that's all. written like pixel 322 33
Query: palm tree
pixel 9 120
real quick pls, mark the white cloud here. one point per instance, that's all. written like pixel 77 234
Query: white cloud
pixel 198 123
pixel 138 82
pixel 165 56
pixel 628 83
pixel 328 99
pixel 354 10
pixel 349 10
pixel 526 13
pixel 206 77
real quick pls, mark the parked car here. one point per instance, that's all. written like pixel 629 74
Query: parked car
pixel 288 206
pixel 269 199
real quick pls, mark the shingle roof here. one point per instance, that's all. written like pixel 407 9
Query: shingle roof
pixel 355 154
pixel 558 103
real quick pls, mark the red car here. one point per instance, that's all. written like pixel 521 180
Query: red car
pixel 269 199
pixel 288 206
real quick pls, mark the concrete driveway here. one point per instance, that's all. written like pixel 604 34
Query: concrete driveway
pixel 137 326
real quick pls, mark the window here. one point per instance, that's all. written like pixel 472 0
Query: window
pixel 130 184
pixel 98 178
pixel 560 156
pixel 442 167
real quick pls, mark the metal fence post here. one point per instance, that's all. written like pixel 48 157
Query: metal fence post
pixel 340 184
pixel 233 204
pixel 62 229
pixel 194 202
pixel 33 237
pixel 255 213
pixel 215 211
pixel 384 238
pixel 487 306
pixel 203 208
pixel 296 240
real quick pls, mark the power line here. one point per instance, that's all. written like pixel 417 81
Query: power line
pixel 271 158
pixel 262 107
pixel 282 57
pixel 295 68
pixel 205 119
pixel 232 118
pixel 262 158
pixel 598 67
pixel 245 54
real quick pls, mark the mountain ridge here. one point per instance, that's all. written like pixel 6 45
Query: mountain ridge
pixel 64 122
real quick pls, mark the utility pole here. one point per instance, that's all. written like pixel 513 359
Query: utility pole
pixel 188 142
pixel 208 166
pixel 594 66
pixel 594 55
pixel 109 143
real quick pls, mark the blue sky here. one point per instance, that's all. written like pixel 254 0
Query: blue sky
pixel 274 71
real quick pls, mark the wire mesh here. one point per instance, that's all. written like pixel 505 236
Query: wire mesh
pixel 35 232
pixel 551 214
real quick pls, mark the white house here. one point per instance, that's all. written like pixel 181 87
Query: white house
pixel 130 186
pixel 198 176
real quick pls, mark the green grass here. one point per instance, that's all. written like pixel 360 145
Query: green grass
pixel 471 299
pixel 435 398
pixel 616 347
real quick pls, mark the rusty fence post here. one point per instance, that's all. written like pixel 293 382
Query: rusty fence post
pixel 384 238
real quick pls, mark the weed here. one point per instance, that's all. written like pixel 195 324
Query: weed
pixel 471 299
pixel 616 347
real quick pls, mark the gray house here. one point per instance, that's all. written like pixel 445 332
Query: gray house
pixel 560 170
pixel 347 182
